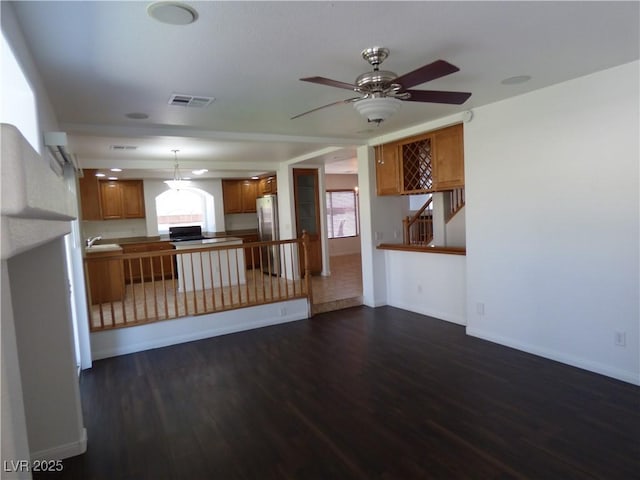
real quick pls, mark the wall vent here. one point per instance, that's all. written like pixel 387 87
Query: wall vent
pixel 190 100
pixel 123 147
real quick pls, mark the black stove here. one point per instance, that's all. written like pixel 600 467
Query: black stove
pixel 185 234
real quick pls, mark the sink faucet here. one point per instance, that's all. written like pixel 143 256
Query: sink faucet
pixel 92 240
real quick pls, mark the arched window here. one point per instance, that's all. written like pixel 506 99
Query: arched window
pixel 187 206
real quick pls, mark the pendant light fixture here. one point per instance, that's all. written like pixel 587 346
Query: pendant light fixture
pixel 178 182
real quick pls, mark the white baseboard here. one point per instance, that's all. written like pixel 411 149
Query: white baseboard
pixel 596 367
pixel 123 341
pixel 61 452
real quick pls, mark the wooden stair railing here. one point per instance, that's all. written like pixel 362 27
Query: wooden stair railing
pixel 194 281
pixel 418 229
pixel 455 202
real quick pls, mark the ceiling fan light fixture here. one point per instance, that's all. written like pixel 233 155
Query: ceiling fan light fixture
pixel 377 109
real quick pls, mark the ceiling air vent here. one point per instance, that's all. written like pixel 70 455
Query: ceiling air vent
pixel 123 147
pixel 190 100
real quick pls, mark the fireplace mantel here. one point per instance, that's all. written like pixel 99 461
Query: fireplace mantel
pixel 37 205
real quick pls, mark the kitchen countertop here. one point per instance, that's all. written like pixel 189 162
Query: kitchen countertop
pixel 165 238
pixel 209 242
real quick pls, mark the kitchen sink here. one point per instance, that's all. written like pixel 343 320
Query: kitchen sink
pixel 104 247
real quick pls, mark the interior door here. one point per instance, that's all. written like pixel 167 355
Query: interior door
pixel 307 203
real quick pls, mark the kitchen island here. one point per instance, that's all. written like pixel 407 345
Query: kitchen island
pixel 202 268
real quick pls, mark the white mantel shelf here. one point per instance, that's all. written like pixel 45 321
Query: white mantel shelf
pixel 36 205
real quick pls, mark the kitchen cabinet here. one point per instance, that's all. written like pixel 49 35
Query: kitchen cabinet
pixel 110 199
pixel 121 199
pixel 306 199
pixel 429 162
pixel 268 185
pixel 387 169
pixel 105 277
pixel 251 259
pixel 249 189
pixel 239 196
pixel 147 268
pixel 448 159
pixel 416 164
pixel 89 196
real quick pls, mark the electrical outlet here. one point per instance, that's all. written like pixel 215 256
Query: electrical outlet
pixel 419 288
pixel 480 308
pixel 283 311
pixel 620 339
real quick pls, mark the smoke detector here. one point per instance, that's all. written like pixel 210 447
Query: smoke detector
pixel 172 13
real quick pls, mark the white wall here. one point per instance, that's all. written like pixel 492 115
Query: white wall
pixel 121 341
pixel 456 230
pixel 380 222
pixel 432 284
pixel 14 433
pixel 552 218
pixel 15 444
pixel 44 337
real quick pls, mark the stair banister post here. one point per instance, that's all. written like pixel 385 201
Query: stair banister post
pixel 405 230
pixel 307 269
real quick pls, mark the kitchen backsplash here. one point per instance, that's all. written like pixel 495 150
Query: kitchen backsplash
pixel 240 221
pixel 114 228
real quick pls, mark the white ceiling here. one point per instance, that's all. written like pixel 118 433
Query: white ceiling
pixel 102 60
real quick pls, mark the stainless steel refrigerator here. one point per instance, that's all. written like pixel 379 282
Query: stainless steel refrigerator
pixel 269 230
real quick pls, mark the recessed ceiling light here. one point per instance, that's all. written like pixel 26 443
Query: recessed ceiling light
pixel 199 172
pixel 173 13
pixel 112 178
pixel 516 80
pixel 100 175
pixel 116 169
pixel 254 178
pixel 137 116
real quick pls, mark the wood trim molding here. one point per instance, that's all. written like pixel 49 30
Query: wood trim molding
pixel 422 249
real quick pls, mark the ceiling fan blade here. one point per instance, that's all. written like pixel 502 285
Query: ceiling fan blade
pixel 438 96
pixel 348 100
pixel 329 82
pixel 434 70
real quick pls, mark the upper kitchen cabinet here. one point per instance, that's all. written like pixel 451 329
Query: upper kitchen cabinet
pixel 110 199
pixel 122 199
pixel 428 162
pixel 387 169
pixel 249 190
pixel 448 161
pixel 268 185
pixel 239 196
pixel 90 196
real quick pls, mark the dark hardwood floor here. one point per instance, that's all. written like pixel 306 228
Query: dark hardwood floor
pixel 354 394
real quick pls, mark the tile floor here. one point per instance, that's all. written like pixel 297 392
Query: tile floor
pixel 342 289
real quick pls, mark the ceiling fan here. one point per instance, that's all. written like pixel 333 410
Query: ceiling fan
pixel 382 92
